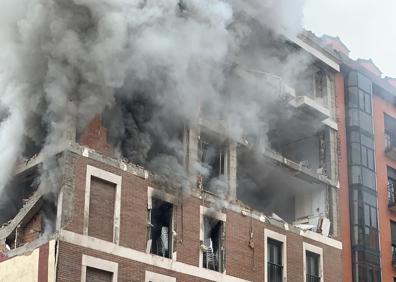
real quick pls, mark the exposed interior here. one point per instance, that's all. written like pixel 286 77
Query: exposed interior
pixel 302 140
pixel 213 244
pixel 211 157
pixel 273 189
pixel 17 192
pixel 316 86
pixel 161 228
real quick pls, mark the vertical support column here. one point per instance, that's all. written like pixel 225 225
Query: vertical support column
pixel 191 152
pixel 232 170
pixel 332 154
pixel 333 211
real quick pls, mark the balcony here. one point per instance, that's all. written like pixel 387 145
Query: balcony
pixel 391 197
pixel 393 256
pixel 312 107
pixel 312 278
pixel 275 272
pixel 390 145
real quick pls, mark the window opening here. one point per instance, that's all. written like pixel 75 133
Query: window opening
pixel 393 235
pixel 161 228
pixel 312 267
pixel 213 244
pixel 320 86
pixel 391 186
pixel 390 132
pixel 211 155
pixel 275 265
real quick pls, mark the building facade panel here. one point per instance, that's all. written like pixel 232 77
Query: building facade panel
pixel 244 236
pixel 386 215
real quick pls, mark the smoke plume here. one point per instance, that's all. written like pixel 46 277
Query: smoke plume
pixel 150 67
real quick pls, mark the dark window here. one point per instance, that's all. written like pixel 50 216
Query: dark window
pixel 275 264
pixel 161 228
pixel 213 244
pixel 391 186
pixel 98 275
pixel 364 83
pixel 312 267
pixel 393 235
pixel 353 100
pixel 390 131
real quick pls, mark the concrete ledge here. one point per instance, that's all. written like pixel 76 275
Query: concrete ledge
pixel 113 249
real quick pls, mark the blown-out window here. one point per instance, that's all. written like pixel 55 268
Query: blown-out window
pixel 161 228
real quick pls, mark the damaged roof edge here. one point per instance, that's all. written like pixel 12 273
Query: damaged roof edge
pixel 319 52
pixel 31 206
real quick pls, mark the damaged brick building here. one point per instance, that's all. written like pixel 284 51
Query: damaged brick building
pixel 112 221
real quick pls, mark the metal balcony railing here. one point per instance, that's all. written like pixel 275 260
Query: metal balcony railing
pixel 394 256
pixel 275 272
pixel 391 196
pixel 312 278
pixel 390 144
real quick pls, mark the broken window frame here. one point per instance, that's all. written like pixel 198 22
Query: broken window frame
pixel 154 194
pixel 221 253
pixel 220 149
pixel 320 79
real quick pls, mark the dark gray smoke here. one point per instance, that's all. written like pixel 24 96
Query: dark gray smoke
pixel 147 66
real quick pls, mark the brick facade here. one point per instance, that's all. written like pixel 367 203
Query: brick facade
pixel 385 216
pixel 31 231
pixel 343 176
pixel 242 260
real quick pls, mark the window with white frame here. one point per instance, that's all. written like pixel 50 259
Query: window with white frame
pixel 161 227
pixel 275 256
pixel 95 269
pixel 156 277
pixel 212 237
pixel 313 263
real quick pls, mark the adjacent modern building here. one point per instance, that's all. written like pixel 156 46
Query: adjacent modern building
pixel 112 221
pixel 366 114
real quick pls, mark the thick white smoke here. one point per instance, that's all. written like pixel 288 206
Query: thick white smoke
pixel 64 61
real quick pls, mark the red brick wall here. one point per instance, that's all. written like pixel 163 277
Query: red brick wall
pixel 31 231
pixel 101 209
pixel 343 177
pixel 95 137
pixel 241 260
pixel 43 263
pixel 188 239
pixel 70 259
pixel 382 161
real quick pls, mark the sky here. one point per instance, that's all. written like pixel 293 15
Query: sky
pixel 367 27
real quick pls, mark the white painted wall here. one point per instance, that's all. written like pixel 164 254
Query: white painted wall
pixel 20 268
